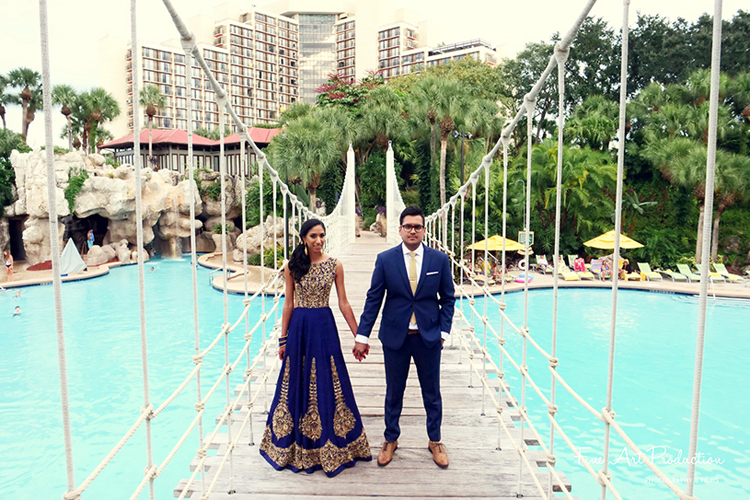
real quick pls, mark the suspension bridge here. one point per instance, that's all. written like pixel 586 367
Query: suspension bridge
pixel 497 448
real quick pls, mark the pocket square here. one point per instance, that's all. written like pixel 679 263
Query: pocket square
pixel 433 272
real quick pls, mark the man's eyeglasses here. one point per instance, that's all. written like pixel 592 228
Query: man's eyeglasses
pixel 409 228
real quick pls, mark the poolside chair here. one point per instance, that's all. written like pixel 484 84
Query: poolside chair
pixel 567 274
pixel 572 261
pixel 674 276
pixel 733 278
pixel 596 268
pixel 712 275
pixel 646 273
pixel 629 276
pixel 542 265
pixel 690 275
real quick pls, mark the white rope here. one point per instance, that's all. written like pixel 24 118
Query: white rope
pixel 54 238
pixel 529 104
pixel 188 46
pixel 618 229
pixel 134 47
pixel 561 56
pixel 707 215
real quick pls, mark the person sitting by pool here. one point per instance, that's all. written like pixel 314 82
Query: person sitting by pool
pixel 8 265
pixel 17 311
pixel 606 269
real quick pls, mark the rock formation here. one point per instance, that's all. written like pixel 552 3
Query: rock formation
pixel 109 193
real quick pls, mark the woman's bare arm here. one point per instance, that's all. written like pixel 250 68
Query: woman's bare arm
pixel 344 306
pixel 286 314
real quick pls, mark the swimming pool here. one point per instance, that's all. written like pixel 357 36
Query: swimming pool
pixel 102 330
pixel 652 395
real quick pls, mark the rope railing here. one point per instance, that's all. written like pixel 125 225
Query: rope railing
pixel 437 225
pixel 341 231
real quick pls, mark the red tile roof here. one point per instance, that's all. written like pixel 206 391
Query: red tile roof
pixel 177 136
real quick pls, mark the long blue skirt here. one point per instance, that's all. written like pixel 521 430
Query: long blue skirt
pixel 314 422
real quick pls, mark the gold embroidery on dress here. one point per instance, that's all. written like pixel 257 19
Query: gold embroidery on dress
pixel 310 424
pixel 343 418
pixel 330 457
pixel 314 288
pixel 282 419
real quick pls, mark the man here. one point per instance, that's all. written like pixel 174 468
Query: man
pixel 418 288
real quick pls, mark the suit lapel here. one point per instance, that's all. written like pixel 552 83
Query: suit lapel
pixel 426 259
pixel 401 265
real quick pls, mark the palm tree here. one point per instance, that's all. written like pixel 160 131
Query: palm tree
pixel 28 82
pixel 682 161
pixel 92 109
pixel 153 101
pixel 65 96
pixel 304 151
pixel 594 123
pixel 381 121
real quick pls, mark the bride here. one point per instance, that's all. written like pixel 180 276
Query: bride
pixel 313 422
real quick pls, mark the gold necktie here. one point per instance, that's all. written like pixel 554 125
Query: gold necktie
pixel 413 279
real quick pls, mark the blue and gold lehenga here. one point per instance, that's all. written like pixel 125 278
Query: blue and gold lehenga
pixel 313 422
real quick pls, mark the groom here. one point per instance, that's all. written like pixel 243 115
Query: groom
pixel 418 288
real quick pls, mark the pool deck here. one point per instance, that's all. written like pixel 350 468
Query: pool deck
pixel 478 469
pixel 22 277
pixel 236 284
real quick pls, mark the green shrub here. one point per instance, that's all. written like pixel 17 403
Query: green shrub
pixel 212 190
pixel 368 216
pixel 75 184
pixel 111 162
pixel 7 182
pixel 254 259
pixel 217 228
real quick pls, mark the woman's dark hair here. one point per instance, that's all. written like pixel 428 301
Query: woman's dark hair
pixel 299 262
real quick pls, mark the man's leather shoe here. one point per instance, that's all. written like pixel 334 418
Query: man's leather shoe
pixel 386 452
pixel 439 455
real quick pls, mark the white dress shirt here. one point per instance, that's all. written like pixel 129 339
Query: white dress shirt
pixel 419 255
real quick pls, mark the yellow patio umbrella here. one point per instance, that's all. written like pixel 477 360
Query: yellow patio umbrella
pixel 606 241
pixel 495 244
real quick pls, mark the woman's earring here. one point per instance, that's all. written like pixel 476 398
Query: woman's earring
pixel 305 249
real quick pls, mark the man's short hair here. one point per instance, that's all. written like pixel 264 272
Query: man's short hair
pixel 411 210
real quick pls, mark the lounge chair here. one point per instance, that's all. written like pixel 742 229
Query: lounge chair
pixel 712 275
pixel 733 278
pixel 629 276
pixel 596 268
pixel 646 273
pixel 567 274
pixel 542 265
pixel 690 275
pixel 674 276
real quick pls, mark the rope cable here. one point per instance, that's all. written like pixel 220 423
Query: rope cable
pixel 54 238
pixel 705 257
pixel 140 250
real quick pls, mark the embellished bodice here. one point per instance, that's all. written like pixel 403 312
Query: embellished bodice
pixel 314 289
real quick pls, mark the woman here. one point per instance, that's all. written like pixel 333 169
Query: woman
pixel 313 422
pixel 8 264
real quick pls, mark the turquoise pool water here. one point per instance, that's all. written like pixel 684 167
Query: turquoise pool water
pixel 652 391
pixel 104 376
pixel 655 355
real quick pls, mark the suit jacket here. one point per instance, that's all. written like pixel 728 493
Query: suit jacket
pixel 432 303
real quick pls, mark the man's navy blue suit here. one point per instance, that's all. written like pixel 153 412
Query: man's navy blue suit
pixel 432 304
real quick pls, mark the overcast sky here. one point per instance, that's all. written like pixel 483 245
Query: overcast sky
pixel 76 26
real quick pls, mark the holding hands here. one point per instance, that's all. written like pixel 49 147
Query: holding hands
pixel 360 350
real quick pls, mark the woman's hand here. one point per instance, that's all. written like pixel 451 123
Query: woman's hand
pixel 282 350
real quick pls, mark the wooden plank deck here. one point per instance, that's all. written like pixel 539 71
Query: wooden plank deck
pixel 478 469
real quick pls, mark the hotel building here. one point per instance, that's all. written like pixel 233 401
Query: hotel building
pixel 268 59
